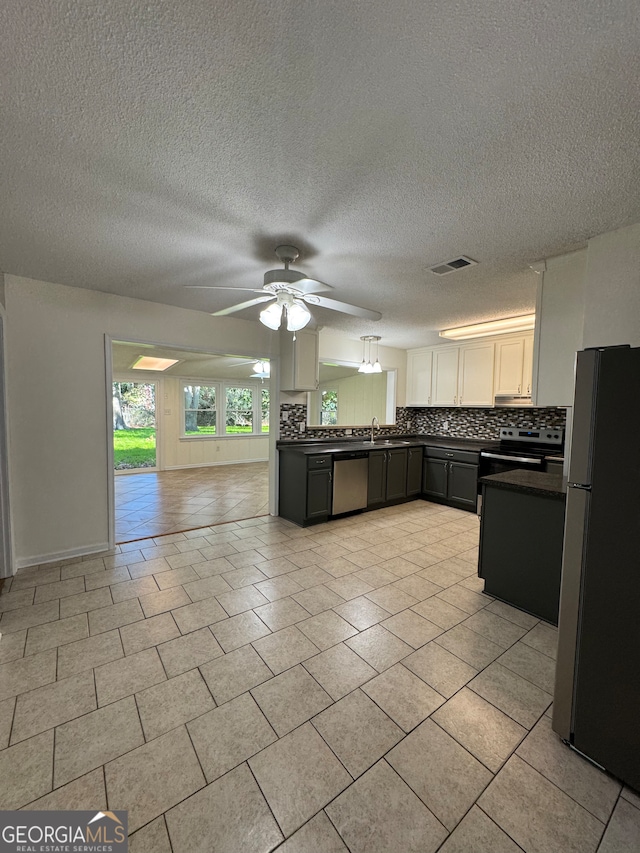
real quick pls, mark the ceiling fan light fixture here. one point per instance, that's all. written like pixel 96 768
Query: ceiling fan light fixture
pixel 272 316
pixel 297 316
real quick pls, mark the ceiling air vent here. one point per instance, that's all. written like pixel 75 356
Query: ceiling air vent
pixel 451 266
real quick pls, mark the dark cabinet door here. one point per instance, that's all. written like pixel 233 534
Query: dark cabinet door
pixel 396 474
pixel 414 471
pixel 318 493
pixel 377 492
pixel 463 483
pixel 435 477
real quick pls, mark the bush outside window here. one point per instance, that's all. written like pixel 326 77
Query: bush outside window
pixel 329 408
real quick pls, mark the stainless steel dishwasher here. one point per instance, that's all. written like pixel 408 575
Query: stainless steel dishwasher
pixel 350 481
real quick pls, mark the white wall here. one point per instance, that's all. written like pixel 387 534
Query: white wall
pixel 336 347
pixel 177 452
pixel 612 289
pixel 559 328
pixel 359 397
pixel 57 402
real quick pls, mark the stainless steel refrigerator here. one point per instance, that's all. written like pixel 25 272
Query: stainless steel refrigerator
pixel 597 694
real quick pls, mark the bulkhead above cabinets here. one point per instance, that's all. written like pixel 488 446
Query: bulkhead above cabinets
pixel 472 374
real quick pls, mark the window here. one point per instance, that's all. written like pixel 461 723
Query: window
pixel 200 412
pixel 225 409
pixel 239 410
pixel 329 408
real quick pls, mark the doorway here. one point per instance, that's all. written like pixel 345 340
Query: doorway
pixel 195 439
pixel 135 426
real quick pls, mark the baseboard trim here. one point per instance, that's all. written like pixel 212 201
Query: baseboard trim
pixel 212 464
pixel 70 553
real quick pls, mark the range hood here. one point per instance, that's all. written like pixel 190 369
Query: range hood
pixel 512 400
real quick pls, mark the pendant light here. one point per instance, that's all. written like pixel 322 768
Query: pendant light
pixel 367 366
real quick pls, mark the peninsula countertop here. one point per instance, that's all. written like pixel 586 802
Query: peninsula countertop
pixel 532 482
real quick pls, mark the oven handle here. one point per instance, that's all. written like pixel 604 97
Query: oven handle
pixel 527 459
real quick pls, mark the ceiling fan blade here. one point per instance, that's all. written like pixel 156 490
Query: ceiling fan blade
pixel 345 308
pixel 310 285
pixel 242 305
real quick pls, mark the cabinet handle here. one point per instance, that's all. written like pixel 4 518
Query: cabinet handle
pixel 330 476
pixel 528 389
pixel 449 454
pixel 455 399
pixel 518 389
pixel 428 401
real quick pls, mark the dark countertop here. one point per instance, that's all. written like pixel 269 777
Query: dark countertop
pixel 532 482
pixel 342 445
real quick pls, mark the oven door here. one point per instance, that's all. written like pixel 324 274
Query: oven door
pixel 498 462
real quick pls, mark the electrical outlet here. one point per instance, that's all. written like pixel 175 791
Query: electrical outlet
pixel 348 432
pixel 302 426
pixel 285 416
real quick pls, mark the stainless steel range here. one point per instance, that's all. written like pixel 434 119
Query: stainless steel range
pixel 521 448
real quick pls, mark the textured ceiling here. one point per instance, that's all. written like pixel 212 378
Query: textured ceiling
pixel 149 145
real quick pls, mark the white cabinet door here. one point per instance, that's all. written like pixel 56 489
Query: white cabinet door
pixel 476 375
pixel 299 361
pixel 527 365
pixel 444 387
pixel 419 364
pixel 509 361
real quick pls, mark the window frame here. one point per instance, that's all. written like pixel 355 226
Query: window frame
pixel 220 386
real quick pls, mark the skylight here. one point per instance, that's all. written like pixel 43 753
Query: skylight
pixel 149 362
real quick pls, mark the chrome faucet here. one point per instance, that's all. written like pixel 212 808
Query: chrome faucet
pixel 376 422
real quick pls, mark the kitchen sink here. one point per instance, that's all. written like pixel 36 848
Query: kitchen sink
pixel 392 441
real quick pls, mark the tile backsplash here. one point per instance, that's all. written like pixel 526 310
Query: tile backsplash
pixel 483 423
pixel 458 422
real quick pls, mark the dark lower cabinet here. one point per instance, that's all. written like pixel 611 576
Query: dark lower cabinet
pixel 463 484
pixel 526 577
pixel 377 490
pixel 435 478
pixel 387 476
pixel 396 474
pixel 414 471
pixel 451 480
pixel 318 494
pixel 305 487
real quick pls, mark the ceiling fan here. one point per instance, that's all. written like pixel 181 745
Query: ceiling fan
pixel 288 290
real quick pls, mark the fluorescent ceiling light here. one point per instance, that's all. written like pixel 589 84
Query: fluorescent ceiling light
pixel 148 362
pixel 524 323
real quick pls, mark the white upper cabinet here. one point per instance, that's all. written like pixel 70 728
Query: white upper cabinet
pixel 475 387
pixel 299 361
pixel 444 382
pixel 527 365
pixel 419 363
pixel 514 366
pixel 470 374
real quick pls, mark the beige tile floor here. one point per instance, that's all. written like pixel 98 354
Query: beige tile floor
pixel 161 502
pixel 254 686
